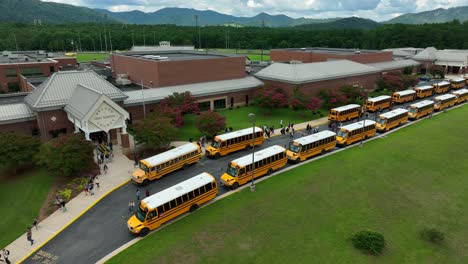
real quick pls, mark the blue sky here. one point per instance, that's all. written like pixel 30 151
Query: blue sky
pixel 378 10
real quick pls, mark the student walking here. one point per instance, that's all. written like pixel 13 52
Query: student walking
pixel 131 205
pixel 6 255
pixel 29 236
pixel 96 181
pixel 85 189
pixel 138 193
pixel 147 193
pixel 35 223
pixel 105 168
pixel 281 123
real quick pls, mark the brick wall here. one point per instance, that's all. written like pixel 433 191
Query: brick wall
pixel 307 57
pixel 25 127
pixel 46 124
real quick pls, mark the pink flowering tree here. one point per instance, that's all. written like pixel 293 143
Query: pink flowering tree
pixel 270 98
pixel 177 105
pixel 209 123
pixel 314 104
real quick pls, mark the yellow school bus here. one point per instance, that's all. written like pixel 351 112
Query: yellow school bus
pixel 441 87
pixel 462 95
pixel 266 161
pixel 378 103
pixel 355 132
pixel 457 83
pixel 234 141
pixel 391 119
pixel 161 164
pixel 403 96
pixel 466 79
pixel 420 109
pixel 345 113
pixel 305 147
pixel 157 209
pixel 424 91
pixel 444 101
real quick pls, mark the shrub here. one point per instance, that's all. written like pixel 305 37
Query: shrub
pixel 369 242
pixel 432 235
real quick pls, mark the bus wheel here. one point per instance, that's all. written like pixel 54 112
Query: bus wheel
pixel 216 156
pixel 144 232
pixel 184 166
pixel 235 186
pixel 270 171
pixel 193 208
pixel 145 182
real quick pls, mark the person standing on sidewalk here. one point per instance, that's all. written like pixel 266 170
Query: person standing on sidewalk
pixel 96 181
pixel 6 255
pixel 147 193
pixel 29 236
pixel 35 223
pixel 105 168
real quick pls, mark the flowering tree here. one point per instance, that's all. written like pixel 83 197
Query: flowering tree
pixel 393 81
pixel 314 104
pixel 410 81
pixel 299 100
pixel 270 98
pixel 332 98
pixel 210 123
pixel 154 131
pixel 178 104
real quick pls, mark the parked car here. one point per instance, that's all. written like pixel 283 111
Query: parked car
pixel 425 78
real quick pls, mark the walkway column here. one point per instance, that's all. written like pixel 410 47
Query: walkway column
pixel 77 129
pixel 124 137
pixel 87 136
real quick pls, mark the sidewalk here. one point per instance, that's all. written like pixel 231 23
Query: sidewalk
pixel 118 174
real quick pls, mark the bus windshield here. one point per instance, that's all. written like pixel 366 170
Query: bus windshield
pixel 333 113
pixel 143 167
pixel 215 144
pixel 295 148
pixel 413 110
pixel 342 133
pixel 141 214
pixel 232 171
pixel 381 121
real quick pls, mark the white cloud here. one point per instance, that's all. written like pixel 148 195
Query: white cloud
pixel 378 10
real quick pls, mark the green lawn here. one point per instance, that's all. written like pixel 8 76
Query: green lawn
pixel 413 179
pixel 254 55
pixel 86 57
pixel 20 201
pixel 238 118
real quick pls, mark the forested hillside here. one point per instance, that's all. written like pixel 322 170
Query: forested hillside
pixel 453 35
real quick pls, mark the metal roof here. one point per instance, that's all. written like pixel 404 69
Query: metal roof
pixel 315 137
pixel 428 54
pixel 12 113
pixel 259 155
pixel 82 100
pixel 314 72
pixel 345 107
pixel 393 113
pixel 379 98
pixel 177 190
pixel 357 125
pixel 422 103
pixel 396 64
pixel 337 51
pixel 238 133
pixel 460 92
pixel 170 154
pixel 197 90
pixel 405 92
pixel 58 89
pixel 460 79
pixel 441 83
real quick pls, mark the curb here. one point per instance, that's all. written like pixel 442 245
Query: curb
pixel 73 220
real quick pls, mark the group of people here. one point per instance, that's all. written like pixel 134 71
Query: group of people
pixel 131 203
pixel 268 131
pixel 311 130
pixel 334 126
pixel 4 255
pixel 89 186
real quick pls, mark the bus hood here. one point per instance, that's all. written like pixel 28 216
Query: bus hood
pixel 133 224
pixel 138 174
pixel 210 150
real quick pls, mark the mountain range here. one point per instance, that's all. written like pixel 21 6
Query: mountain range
pixel 28 11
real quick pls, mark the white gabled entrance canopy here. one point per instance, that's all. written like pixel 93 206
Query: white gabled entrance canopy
pixel 92 111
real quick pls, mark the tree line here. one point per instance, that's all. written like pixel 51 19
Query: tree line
pixel 104 37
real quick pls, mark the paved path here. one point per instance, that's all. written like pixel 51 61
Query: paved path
pixel 118 175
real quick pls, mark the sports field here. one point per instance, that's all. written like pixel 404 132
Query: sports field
pixel 87 57
pixel 410 180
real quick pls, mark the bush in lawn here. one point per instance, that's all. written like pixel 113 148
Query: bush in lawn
pixel 432 235
pixel 369 242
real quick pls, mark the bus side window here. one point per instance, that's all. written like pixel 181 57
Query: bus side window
pixel 179 200
pixel 167 207
pixel 202 190
pixel 196 192
pixel 190 195
pixel 208 187
pixel 242 171
pixel 185 198
pixel 160 210
pixel 223 144
pixel 173 203
pixel 152 214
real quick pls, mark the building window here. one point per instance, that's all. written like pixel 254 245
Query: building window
pixel 204 106
pixel 247 100
pixel 10 72
pixel 13 87
pixel 232 102
pixel 220 104
pixel 31 71
pixel 35 132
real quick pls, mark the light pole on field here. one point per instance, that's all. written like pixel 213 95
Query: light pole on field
pixel 252 183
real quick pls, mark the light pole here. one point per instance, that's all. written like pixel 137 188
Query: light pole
pixel 252 183
pixel 363 125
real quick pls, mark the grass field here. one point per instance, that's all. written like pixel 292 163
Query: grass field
pixel 87 57
pixel 413 179
pixel 254 55
pixel 238 119
pixel 20 200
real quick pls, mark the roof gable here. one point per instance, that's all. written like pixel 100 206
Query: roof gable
pixel 59 88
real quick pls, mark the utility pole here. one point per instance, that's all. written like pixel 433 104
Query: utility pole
pixel 154 38
pixel 263 43
pixel 79 41
pixel 199 35
pixel 110 40
pixel 16 42
pixel 105 39
pixel 144 36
